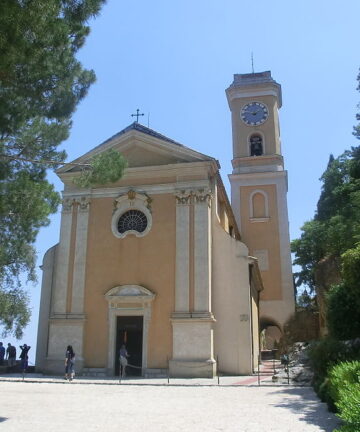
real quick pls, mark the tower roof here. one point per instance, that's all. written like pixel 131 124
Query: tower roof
pixel 252 78
pixel 253 84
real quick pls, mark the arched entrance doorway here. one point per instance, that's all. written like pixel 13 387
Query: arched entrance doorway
pixel 270 334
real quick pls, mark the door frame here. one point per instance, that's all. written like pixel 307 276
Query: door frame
pixel 128 300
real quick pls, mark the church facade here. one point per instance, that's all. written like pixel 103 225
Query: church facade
pixel 161 260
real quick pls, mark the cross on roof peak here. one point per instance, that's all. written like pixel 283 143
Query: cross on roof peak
pixel 137 115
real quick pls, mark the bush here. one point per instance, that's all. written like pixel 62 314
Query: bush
pixel 343 312
pixel 342 375
pixel 325 354
pixel 344 383
pixel 324 393
pixel 349 407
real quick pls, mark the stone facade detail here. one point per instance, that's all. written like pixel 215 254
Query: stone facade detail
pixel 183 197
pixel 202 196
pixel 132 200
pixel 182 276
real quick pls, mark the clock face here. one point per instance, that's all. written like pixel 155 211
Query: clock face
pixel 254 113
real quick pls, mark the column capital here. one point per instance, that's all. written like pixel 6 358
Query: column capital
pixel 183 197
pixel 84 203
pixel 67 205
pixel 202 196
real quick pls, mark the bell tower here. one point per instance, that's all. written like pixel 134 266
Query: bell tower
pixel 259 188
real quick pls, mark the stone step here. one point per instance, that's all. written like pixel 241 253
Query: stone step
pixel 156 373
pixel 94 372
pixel 17 368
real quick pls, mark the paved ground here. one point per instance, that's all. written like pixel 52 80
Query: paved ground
pixel 51 404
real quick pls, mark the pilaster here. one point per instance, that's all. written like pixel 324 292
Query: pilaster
pixel 193 328
pixel 182 278
pixel 78 287
pixel 202 251
pixel 62 261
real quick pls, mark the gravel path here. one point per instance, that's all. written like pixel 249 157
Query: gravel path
pixel 91 407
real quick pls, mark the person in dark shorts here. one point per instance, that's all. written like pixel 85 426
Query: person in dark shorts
pixel 11 355
pixel 24 357
pixel 69 363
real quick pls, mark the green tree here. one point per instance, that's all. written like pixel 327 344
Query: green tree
pixel 357 127
pixel 330 242
pixel 343 311
pixel 103 168
pixel 41 83
pixel 336 224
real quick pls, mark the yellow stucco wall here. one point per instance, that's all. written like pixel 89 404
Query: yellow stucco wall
pixel 148 261
pixel 231 300
pixel 263 236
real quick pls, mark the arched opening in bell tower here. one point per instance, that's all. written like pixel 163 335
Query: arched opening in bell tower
pixel 256 145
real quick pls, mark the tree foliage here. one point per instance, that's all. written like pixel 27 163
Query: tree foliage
pixel 333 236
pixel 344 380
pixel 104 168
pixel 357 127
pixel 336 225
pixel 343 312
pixel 41 83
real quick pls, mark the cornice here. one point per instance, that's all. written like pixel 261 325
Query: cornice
pixel 181 169
pixel 256 160
pixel 157 189
pixel 67 318
pixel 259 175
pixel 253 85
pixel 243 93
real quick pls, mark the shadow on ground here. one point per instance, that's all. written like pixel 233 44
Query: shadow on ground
pixel 313 411
pixel 2 419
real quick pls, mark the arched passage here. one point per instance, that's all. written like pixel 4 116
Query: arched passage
pixel 270 333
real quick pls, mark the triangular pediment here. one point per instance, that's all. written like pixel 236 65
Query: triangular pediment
pixel 139 153
pixel 142 147
pixel 129 294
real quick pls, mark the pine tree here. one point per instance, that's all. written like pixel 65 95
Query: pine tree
pixel 41 83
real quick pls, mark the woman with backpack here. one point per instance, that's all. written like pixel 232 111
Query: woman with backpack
pixel 69 363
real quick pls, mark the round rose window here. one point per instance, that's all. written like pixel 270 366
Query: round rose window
pixel 132 220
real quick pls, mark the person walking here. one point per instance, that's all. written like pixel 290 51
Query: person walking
pixel 69 363
pixel 123 360
pixel 11 355
pixel 24 357
pixel 2 354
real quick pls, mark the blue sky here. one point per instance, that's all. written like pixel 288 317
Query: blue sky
pixel 174 59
